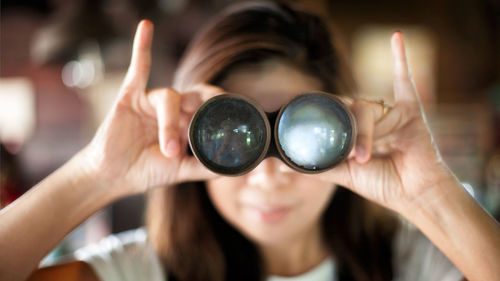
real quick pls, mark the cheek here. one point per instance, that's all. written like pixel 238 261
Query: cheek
pixel 315 197
pixel 224 193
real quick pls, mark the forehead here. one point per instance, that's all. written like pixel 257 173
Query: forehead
pixel 271 84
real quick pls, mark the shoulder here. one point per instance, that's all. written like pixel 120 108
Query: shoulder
pixel 416 258
pixel 123 256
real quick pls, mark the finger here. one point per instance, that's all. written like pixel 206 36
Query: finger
pixel 197 95
pixel 184 131
pixel 346 100
pixel 167 106
pixel 365 116
pixel 339 175
pixel 392 121
pixel 379 107
pixel 378 111
pixel 404 90
pixel 140 63
pixel 192 170
pixel 397 118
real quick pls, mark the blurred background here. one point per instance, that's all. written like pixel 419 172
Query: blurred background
pixel 61 63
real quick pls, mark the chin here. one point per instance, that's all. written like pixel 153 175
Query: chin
pixel 267 236
pixel 270 228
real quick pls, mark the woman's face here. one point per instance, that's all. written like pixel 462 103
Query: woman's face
pixel 272 204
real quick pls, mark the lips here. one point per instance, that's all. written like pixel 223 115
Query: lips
pixel 268 213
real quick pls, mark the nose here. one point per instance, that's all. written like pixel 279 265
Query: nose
pixel 269 174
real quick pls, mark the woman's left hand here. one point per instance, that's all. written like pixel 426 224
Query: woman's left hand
pixel 395 160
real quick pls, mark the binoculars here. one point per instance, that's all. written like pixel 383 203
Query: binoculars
pixel 231 134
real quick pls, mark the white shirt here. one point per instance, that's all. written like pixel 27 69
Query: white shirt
pixel 128 256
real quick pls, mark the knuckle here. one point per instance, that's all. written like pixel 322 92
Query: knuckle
pixel 171 92
pixel 346 100
pixel 164 95
pixel 170 128
pixel 363 138
pixel 159 94
pixel 356 106
pixel 361 104
pixel 127 88
pixel 172 95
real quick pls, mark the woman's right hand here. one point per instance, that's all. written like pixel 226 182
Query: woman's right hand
pixel 142 142
pixel 129 154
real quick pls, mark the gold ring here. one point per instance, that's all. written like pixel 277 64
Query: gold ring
pixel 385 107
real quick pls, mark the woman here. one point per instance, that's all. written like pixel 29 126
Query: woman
pixel 272 221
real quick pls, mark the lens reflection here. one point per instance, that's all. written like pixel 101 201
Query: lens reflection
pixel 314 132
pixel 229 135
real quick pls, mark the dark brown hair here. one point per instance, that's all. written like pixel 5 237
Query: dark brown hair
pixel 193 241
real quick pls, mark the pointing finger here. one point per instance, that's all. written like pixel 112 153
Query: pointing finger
pixel 138 71
pixel 404 90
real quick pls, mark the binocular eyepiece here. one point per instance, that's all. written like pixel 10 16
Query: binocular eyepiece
pixel 231 134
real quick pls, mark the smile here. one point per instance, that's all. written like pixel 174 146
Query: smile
pixel 267 213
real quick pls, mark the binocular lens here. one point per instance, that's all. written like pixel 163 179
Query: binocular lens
pixel 314 132
pixel 229 135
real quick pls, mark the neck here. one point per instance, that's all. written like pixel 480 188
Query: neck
pixel 296 255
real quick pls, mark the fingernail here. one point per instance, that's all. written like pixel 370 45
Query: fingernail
pixel 360 153
pixel 172 148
